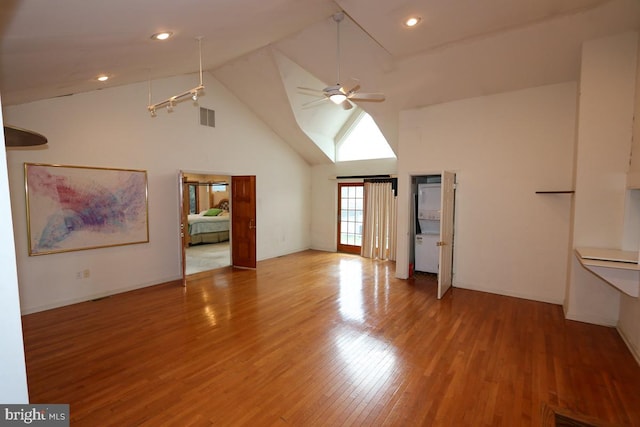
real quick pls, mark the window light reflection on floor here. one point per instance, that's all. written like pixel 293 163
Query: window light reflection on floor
pixel 351 304
pixel 369 362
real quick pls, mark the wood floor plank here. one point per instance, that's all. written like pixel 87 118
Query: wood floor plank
pixel 324 339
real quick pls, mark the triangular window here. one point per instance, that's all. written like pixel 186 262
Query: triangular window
pixel 363 141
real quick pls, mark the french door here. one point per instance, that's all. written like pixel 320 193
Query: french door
pixel 350 216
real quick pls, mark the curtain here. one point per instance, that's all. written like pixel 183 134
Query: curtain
pixel 379 224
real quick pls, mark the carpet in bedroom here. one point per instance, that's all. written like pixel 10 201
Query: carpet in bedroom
pixel 207 257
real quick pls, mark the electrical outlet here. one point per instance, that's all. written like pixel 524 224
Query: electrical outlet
pixel 79 275
pixel 86 273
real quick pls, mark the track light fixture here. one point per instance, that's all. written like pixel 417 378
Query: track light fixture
pixel 170 102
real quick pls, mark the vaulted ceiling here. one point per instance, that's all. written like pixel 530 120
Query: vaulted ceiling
pixel 460 49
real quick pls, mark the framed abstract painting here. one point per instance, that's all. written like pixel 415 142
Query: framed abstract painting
pixel 73 208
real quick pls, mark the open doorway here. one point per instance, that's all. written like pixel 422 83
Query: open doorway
pixel 432 214
pixel 206 232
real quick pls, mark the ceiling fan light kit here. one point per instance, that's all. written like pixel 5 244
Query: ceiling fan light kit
pixel 338 98
pixel 169 103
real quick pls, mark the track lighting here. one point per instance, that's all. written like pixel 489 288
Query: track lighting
pixel 169 103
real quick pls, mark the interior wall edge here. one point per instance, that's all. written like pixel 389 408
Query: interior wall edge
pixel 634 352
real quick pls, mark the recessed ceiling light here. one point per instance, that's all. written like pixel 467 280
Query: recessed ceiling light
pixel 412 21
pixel 102 78
pixel 162 36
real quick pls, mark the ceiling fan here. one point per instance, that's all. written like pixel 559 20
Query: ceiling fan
pixel 337 93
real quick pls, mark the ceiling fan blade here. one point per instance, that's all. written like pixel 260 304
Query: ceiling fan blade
pixel 17 137
pixel 346 105
pixel 353 89
pixel 369 97
pixel 314 103
pixel 309 91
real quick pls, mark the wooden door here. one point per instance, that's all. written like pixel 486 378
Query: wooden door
pixel 243 221
pixel 447 199
pixel 184 231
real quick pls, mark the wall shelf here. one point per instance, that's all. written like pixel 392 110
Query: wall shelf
pixel 556 192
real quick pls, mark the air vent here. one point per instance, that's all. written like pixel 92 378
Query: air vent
pixel 207 117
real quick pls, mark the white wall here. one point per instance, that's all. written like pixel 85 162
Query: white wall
pixel 629 321
pixel 605 120
pixel 13 374
pixel 324 210
pixel 503 148
pixel 111 128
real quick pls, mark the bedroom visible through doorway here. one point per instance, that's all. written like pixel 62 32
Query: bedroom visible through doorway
pixel 206 221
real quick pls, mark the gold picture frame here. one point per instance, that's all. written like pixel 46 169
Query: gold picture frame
pixel 73 208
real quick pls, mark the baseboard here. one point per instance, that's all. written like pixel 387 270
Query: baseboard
pixel 323 248
pixel 634 352
pixel 594 320
pixel 284 253
pixel 84 298
pixel 509 294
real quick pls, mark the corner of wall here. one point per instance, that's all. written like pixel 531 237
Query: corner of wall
pixel 606 108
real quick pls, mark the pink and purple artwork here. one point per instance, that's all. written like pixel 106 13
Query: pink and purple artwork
pixel 72 208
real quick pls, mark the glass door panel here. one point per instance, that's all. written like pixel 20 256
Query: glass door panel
pixel 350 206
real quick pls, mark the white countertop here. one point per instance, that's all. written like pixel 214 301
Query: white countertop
pixel 618 268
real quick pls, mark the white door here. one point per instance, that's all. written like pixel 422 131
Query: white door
pixel 445 273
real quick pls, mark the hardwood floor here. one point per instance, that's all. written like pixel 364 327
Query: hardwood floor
pixel 323 339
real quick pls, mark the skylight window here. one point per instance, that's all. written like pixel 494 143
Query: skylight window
pixel 363 141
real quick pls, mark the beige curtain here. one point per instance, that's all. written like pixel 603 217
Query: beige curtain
pixel 379 225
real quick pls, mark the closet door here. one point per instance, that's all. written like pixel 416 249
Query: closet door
pixel 447 197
